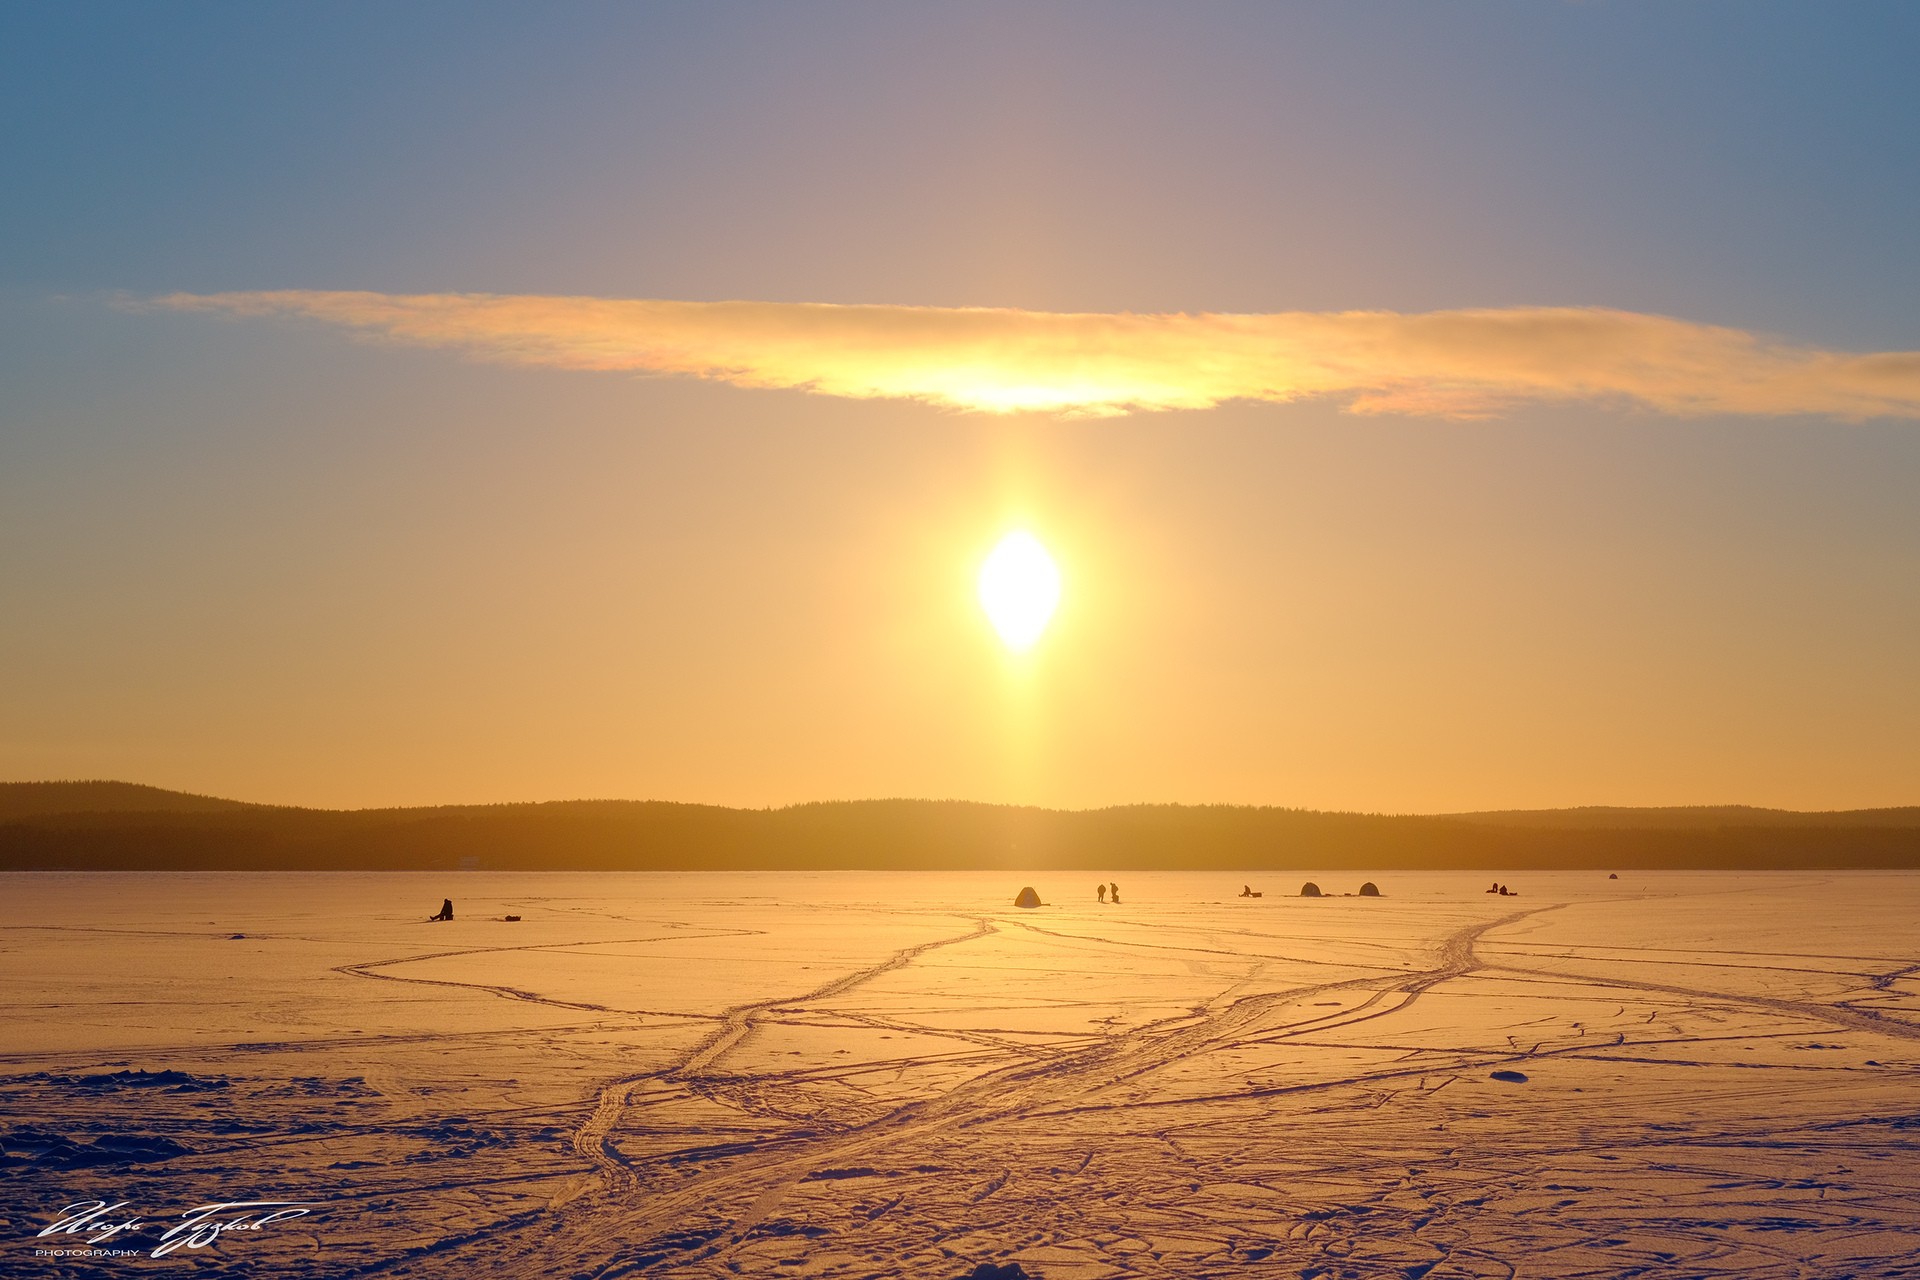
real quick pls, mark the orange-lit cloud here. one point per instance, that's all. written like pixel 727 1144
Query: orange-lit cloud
pixel 1465 363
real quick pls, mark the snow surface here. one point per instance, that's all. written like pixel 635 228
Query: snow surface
pixel 868 1075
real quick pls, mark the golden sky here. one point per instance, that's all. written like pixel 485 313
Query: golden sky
pixel 1425 408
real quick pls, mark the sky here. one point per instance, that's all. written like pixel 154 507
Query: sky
pixel 1429 408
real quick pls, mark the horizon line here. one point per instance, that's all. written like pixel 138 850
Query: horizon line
pixel 955 800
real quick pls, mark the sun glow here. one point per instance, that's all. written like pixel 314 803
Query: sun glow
pixel 1019 589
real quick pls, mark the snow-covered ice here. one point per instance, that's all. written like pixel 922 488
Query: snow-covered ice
pixel 861 1075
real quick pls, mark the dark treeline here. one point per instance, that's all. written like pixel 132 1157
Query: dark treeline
pixel 116 826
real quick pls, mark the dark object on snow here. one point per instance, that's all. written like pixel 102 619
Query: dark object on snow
pixel 235 937
pixel 1027 898
pixel 1613 875
pixel 1113 892
pixel 446 910
pixel 1246 891
pixel 999 1271
pixel 511 919
pixel 1369 890
pixel 1102 891
pixel 1511 1077
pixel 1310 890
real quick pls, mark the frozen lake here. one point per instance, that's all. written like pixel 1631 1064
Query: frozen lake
pixel 856 1075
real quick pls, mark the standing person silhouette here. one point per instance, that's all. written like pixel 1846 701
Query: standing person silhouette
pixel 1103 893
pixel 1113 893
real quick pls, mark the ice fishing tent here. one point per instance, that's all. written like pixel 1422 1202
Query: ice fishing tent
pixel 1309 890
pixel 1369 890
pixel 1027 898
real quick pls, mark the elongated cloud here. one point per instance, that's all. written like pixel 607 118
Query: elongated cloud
pixel 1467 363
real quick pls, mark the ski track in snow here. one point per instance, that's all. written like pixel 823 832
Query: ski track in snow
pixel 1697 1076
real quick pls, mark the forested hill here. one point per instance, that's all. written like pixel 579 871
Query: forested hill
pixel 118 826
pixel 1688 818
pixel 39 799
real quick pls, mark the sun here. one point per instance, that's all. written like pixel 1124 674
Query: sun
pixel 1019 589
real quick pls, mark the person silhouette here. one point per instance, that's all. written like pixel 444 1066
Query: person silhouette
pixel 446 910
pixel 1103 893
pixel 1113 893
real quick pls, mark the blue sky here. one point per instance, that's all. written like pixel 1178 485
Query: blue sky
pixel 1756 164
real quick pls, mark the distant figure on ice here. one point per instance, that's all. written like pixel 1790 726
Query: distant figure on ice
pixel 1113 892
pixel 1246 891
pixel 446 910
pixel 1103 893
pixel 1496 887
pixel 998 1271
